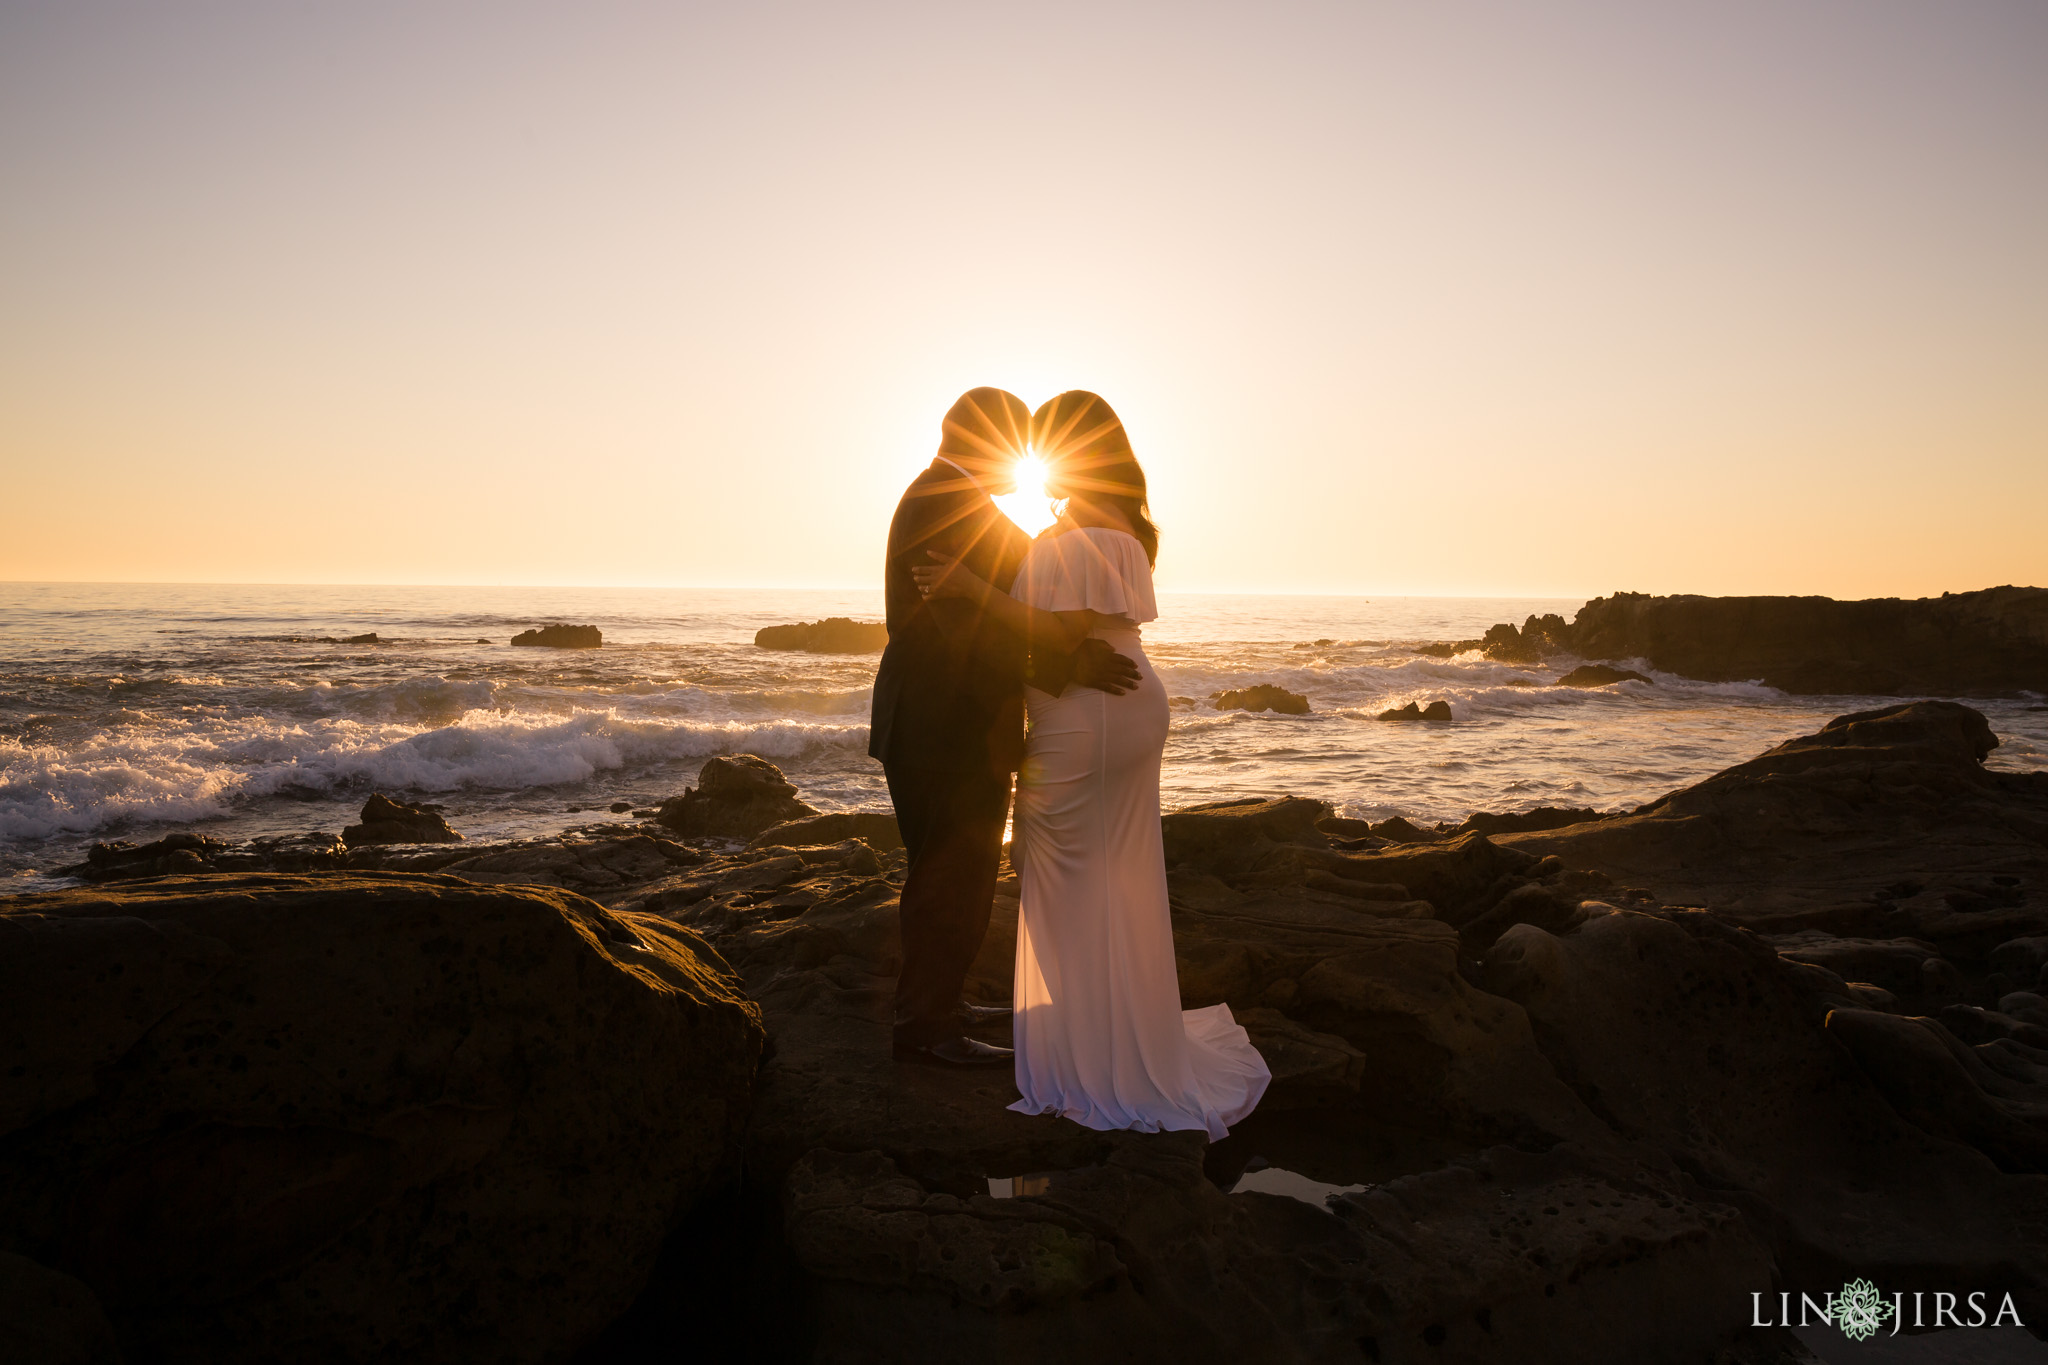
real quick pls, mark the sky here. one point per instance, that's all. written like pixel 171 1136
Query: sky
pixel 1478 297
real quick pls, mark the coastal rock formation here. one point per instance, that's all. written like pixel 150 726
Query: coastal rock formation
pixel 1734 1076
pixel 875 828
pixel 1262 697
pixel 735 797
pixel 592 859
pixel 1884 824
pixel 561 637
pixel 1571 1076
pixel 1436 710
pixel 1363 1007
pixel 1599 675
pixel 1988 643
pixel 1589 1081
pixel 386 821
pixel 588 865
pixel 833 635
pixel 1517 822
pixel 172 854
pixel 49 1318
pixel 361 1116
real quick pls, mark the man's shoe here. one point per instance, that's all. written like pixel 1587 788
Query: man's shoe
pixel 954 1051
pixel 974 1016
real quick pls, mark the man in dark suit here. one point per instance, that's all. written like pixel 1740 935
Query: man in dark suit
pixel 948 720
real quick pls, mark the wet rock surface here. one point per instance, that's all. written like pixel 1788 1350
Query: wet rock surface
pixel 735 798
pixel 1436 711
pixel 385 821
pixel 833 635
pixel 1262 697
pixel 361 1116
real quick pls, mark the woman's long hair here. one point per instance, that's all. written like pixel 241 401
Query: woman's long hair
pixel 1086 452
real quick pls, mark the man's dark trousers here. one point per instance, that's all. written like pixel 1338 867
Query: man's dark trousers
pixel 952 826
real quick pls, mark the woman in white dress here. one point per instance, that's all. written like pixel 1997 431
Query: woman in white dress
pixel 1100 1034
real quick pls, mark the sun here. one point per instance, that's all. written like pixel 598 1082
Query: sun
pixel 1030 475
pixel 1028 506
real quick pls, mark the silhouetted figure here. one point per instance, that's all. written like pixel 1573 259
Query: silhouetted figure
pixel 948 721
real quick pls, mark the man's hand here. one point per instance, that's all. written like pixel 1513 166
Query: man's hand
pixel 946 576
pixel 1098 666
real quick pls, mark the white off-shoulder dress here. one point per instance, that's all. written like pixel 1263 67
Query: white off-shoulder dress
pixel 1100 1034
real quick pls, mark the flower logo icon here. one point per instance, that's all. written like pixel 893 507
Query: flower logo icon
pixel 1860 1310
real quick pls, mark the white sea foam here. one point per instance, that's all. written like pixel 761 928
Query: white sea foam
pixel 204 769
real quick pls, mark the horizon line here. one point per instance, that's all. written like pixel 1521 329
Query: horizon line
pixel 1366 594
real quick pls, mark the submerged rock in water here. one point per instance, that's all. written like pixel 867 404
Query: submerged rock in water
pixel 1599 675
pixel 393 822
pixel 1262 697
pixel 833 635
pixel 735 797
pixel 361 1116
pixel 561 637
pixel 1436 710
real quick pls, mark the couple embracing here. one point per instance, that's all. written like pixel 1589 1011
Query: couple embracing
pixel 986 628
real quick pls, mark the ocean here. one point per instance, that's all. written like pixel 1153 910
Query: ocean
pixel 128 711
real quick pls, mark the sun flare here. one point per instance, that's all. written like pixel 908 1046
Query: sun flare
pixel 1028 506
pixel 1030 476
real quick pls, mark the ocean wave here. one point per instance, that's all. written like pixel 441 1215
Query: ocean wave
pixel 205 769
pixel 1471 682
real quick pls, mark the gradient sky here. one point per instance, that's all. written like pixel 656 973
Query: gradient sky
pixel 1534 299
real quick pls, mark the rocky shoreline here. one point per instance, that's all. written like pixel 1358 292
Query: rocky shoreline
pixel 1586 1082
pixel 1991 643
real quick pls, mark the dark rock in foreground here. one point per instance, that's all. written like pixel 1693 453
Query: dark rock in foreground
pixel 735 798
pixel 561 637
pixel 50 1318
pixel 393 822
pixel 833 635
pixel 1599 675
pixel 1972 644
pixel 1262 697
pixel 358 1117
